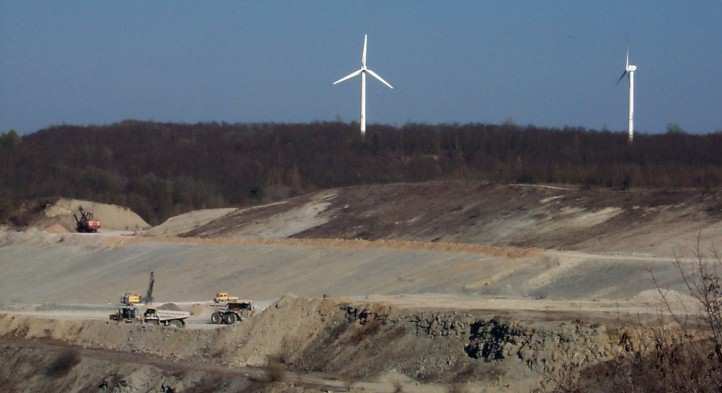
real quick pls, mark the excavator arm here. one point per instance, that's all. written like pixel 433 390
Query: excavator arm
pixel 149 292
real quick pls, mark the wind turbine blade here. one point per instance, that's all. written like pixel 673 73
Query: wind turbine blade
pixel 375 75
pixel 363 54
pixel 622 76
pixel 626 64
pixel 349 76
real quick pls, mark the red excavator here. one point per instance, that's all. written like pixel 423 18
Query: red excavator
pixel 85 223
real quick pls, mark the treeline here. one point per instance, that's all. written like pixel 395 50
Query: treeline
pixel 162 169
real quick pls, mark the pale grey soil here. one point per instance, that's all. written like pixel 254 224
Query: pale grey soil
pixel 40 268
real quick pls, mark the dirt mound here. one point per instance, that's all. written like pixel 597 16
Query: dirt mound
pixel 187 222
pixel 197 309
pixel 170 307
pixel 57 215
pixel 275 220
pixel 601 220
pixel 56 228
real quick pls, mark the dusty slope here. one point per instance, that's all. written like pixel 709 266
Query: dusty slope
pixel 273 220
pixel 641 221
pixel 57 214
pixel 39 267
pixel 185 222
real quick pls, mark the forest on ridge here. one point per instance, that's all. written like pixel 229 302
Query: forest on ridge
pixel 163 169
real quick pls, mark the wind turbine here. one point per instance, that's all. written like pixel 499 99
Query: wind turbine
pixel 363 71
pixel 629 70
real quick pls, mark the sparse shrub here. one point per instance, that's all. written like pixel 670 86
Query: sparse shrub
pixel 62 365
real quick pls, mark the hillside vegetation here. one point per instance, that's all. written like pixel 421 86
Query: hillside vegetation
pixel 162 169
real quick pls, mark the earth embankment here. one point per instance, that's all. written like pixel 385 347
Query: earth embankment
pixel 652 222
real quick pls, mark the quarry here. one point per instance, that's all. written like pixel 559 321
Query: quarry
pixel 491 288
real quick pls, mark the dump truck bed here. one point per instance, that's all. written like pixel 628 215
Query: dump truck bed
pixel 167 315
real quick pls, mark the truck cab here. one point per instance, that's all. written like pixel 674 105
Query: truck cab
pixel 125 313
pixel 130 298
pixel 224 297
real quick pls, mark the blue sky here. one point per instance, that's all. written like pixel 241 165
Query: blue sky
pixel 550 63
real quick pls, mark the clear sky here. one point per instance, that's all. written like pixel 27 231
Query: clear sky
pixel 550 63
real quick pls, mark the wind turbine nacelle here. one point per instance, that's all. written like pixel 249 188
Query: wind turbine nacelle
pixel 631 68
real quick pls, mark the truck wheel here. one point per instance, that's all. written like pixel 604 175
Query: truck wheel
pixel 217 318
pixel 230 318
pixel 177 323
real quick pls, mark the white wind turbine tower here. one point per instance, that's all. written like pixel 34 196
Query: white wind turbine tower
pixel 629 70
pixel 362 71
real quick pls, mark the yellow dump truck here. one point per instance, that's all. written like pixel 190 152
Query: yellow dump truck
pixel 232 312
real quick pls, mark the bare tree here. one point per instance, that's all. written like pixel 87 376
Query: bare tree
pixel 676 354
pixel 705 286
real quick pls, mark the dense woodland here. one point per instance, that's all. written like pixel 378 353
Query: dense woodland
pixel 162 169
